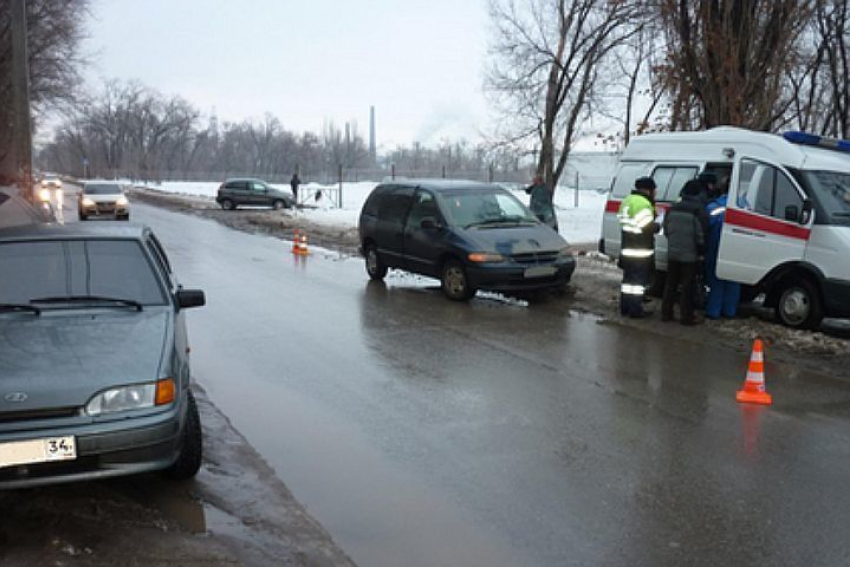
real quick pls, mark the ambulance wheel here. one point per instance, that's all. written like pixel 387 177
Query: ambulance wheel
pixel 799 305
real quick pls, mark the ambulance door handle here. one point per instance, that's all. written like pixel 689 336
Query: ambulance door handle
pixel 748 233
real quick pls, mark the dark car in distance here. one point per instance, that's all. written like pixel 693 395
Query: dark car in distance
pixel 94 364
pixel 468 235
pixel 252 192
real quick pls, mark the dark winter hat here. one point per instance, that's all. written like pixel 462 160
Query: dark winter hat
pixel 645 183
pixel 692 188
pixel 707 177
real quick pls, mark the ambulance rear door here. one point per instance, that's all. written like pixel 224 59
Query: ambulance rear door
pixel 762 226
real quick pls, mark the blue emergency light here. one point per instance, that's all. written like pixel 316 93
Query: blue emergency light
pixel 806 139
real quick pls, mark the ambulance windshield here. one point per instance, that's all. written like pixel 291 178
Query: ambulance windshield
pixel 832 190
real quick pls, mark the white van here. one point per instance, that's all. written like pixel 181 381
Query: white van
pixel 787 223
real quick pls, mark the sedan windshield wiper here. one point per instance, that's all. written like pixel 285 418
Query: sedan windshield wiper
pixel 19 307
pixel 73 299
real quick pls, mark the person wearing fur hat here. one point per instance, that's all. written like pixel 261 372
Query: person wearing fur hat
pixel 685 226
pixel 637 246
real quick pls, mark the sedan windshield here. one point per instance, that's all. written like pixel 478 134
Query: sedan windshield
pixel 484 207
pixel 832 190
pixel 95 269
pixel 102 189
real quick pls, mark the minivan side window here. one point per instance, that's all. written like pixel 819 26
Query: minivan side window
pixel 258 187
pixel 394 206
pixel 424 205
pixel 766 190
pixel 237 185
pixel 626 177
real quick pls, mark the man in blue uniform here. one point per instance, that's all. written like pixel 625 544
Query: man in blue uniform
pixel 723 295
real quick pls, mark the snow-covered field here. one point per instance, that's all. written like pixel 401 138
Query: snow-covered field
pixel 577 224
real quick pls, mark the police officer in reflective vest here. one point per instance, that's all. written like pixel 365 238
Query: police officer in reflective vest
pixel 637 251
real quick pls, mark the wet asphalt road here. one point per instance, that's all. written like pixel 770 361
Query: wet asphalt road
pixel 422 432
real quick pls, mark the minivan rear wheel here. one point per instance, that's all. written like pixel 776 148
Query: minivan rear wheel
pixel 376 269
pixel 227 205
pixel 455 282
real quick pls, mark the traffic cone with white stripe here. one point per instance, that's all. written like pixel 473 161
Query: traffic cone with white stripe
pixel 302 248
pixel 754 391
pixel 296 243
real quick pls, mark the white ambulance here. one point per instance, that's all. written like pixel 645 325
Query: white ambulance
pixel 786 230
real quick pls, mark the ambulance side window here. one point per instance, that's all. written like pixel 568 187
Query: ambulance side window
pixel 785 195
pixel 766 190
pixel 670 180
pixel 626 177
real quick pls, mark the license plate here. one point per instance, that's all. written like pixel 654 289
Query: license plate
pixel 38 451
pixel 540 271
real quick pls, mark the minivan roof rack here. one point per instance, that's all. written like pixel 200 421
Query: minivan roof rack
pixel 806 139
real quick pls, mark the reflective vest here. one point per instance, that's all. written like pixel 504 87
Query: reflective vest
pixel 637 224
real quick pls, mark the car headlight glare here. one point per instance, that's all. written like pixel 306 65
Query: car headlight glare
pixel 121 201
pixel 479 257
pixel 88 202
pixel 44 195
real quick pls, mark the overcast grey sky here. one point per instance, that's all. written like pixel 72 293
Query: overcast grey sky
pixel 420 62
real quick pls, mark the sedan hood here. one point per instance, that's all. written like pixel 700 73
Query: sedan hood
pixel 61 359
pixel 510 240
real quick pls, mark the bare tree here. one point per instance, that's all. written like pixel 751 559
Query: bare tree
pixel 545 71
pixel 820 87
pixel 727 60
pixel 54 32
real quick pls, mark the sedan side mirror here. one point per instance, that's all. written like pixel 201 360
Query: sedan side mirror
pixel 186 298
pixel 428 222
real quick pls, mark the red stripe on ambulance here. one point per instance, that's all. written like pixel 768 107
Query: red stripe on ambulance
pixel 744 219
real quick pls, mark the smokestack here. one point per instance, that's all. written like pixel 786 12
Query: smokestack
pixel 373 151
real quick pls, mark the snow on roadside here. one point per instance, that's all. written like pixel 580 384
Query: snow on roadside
pixel 577 224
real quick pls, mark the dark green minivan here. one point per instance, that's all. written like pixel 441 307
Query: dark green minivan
pixel 468 235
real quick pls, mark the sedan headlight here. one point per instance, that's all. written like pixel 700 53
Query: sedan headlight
pixel 565 252
pixel 139 396
pixel 121 201
pixel 479 257
pixel 88 202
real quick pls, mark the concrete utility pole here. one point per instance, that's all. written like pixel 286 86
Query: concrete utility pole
pixel 22 123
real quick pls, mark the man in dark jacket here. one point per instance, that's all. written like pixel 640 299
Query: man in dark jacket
pixel 541 202
pixel 685 228
pixel 294 183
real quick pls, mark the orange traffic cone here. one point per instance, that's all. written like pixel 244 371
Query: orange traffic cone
pixel 296 243
pixel 303 248
pixel 754 391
